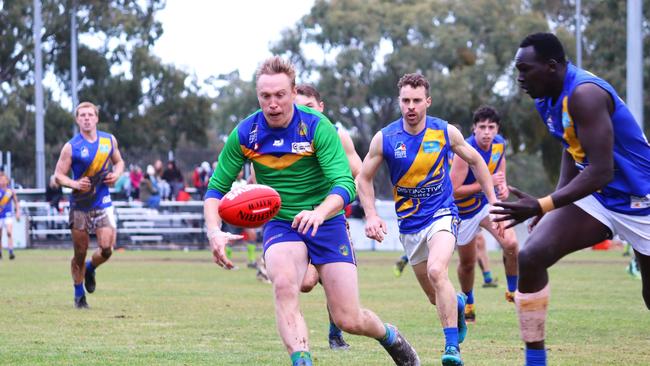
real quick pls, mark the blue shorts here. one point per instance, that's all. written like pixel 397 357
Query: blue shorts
pixel 331 243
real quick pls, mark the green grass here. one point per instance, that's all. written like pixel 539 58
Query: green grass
pixel 178 308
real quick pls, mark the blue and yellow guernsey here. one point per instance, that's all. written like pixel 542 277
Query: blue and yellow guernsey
pixel 469 206
pixel 303 162
pixel 91 159
pixel 419 172
pixel 629 191
pixel 6 203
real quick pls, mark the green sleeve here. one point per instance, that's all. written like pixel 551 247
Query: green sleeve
pixel 230 163
pixel 333 160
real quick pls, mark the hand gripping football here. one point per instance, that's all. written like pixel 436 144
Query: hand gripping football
pixel 252 205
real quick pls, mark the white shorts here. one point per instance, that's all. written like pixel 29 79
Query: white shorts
pixel 8 220
pixel 471 227
pixel 634 229
pixel 416 244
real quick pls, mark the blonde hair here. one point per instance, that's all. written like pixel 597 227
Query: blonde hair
pixel 277 65
pixel 86 105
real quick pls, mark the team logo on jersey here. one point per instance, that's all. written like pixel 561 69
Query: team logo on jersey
pixel 400 150
pixel 84 152
pixel 252 136
pixel 302 129
pixel 301 147
pixel 279 142
pixel 343 249
pixel 566 120
pixel 431 146
pixel 104 148
pixel 496 156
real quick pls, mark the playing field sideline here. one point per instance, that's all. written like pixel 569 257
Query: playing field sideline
pixel 178 308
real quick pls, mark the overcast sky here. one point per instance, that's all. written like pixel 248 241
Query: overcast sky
pixel 216 37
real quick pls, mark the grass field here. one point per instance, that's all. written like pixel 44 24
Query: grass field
pixel 178 308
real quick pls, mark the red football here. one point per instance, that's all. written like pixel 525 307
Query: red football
pixel 252 205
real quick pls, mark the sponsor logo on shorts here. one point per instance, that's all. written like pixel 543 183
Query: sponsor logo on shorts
pixel 343 249
pixel 400 150
pixel 272 238
pixel 431 146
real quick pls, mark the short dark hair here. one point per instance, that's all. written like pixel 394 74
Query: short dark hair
pixel 308 91
pixel 414 80
pixel 486 112
pixel 547 46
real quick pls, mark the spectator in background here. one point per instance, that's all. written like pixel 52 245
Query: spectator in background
pixel 173 176
pixel 163 186
pixel 122 188
pixel 149 191
pixel 201 177
pixel 135 175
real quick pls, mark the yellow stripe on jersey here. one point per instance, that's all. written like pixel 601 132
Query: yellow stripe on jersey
pixel 270 161
pixel 5 199
pixel 419 171
pixel 101 156
pixel 468 202
pixel 575 149
pixel 497 149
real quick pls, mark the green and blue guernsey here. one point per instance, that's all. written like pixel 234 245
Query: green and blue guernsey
pixel 419 172
pixel 629 191
pixel 303 162
pixel 469 206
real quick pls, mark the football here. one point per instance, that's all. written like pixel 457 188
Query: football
pixel 250 206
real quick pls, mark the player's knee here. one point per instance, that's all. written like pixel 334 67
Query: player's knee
pixel 510 247
pixel 284 288
pixel 9 235
pixel 307 286
pixel 106 252
pixel 437 274
pixel 528 261
pixel 348 323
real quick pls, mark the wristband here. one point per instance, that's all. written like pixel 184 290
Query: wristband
pixel 546 203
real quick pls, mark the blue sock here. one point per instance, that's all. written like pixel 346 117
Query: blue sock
pixel 451 336
pixel 89 266
pixel 405 258
pixel 301 355
pixel 535 357
pixel 389 338
pixel 487 277
pixel 11 251
pixel 334 330
pixel 79 290
pixel 512 283
pixel 470 296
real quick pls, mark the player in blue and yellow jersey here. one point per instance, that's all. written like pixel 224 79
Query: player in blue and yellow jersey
pixel 416 149
pixel 296 150
pixel 604 185
pixel 473 206
pixel 8 204
pixel 308 96
pixel 89 154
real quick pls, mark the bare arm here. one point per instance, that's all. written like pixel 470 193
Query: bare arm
pixel 63 167
pixel 465 151
pixel 118 165
pixel 375 226
pixel 16 205
pixel 568 170
pixel 350 152
pixel 459 170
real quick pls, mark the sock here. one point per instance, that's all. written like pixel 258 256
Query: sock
pixel 301 355
pixel 487 277
pixel 228 252
pixel 512 283
pixel 79 290
pixel 11 252
pixel 405 258
pixel 250 252
pixel 389 338
pixel 89 266
pixel 334 330
pixel 535 357
pixel 451 337
pixel 470 297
